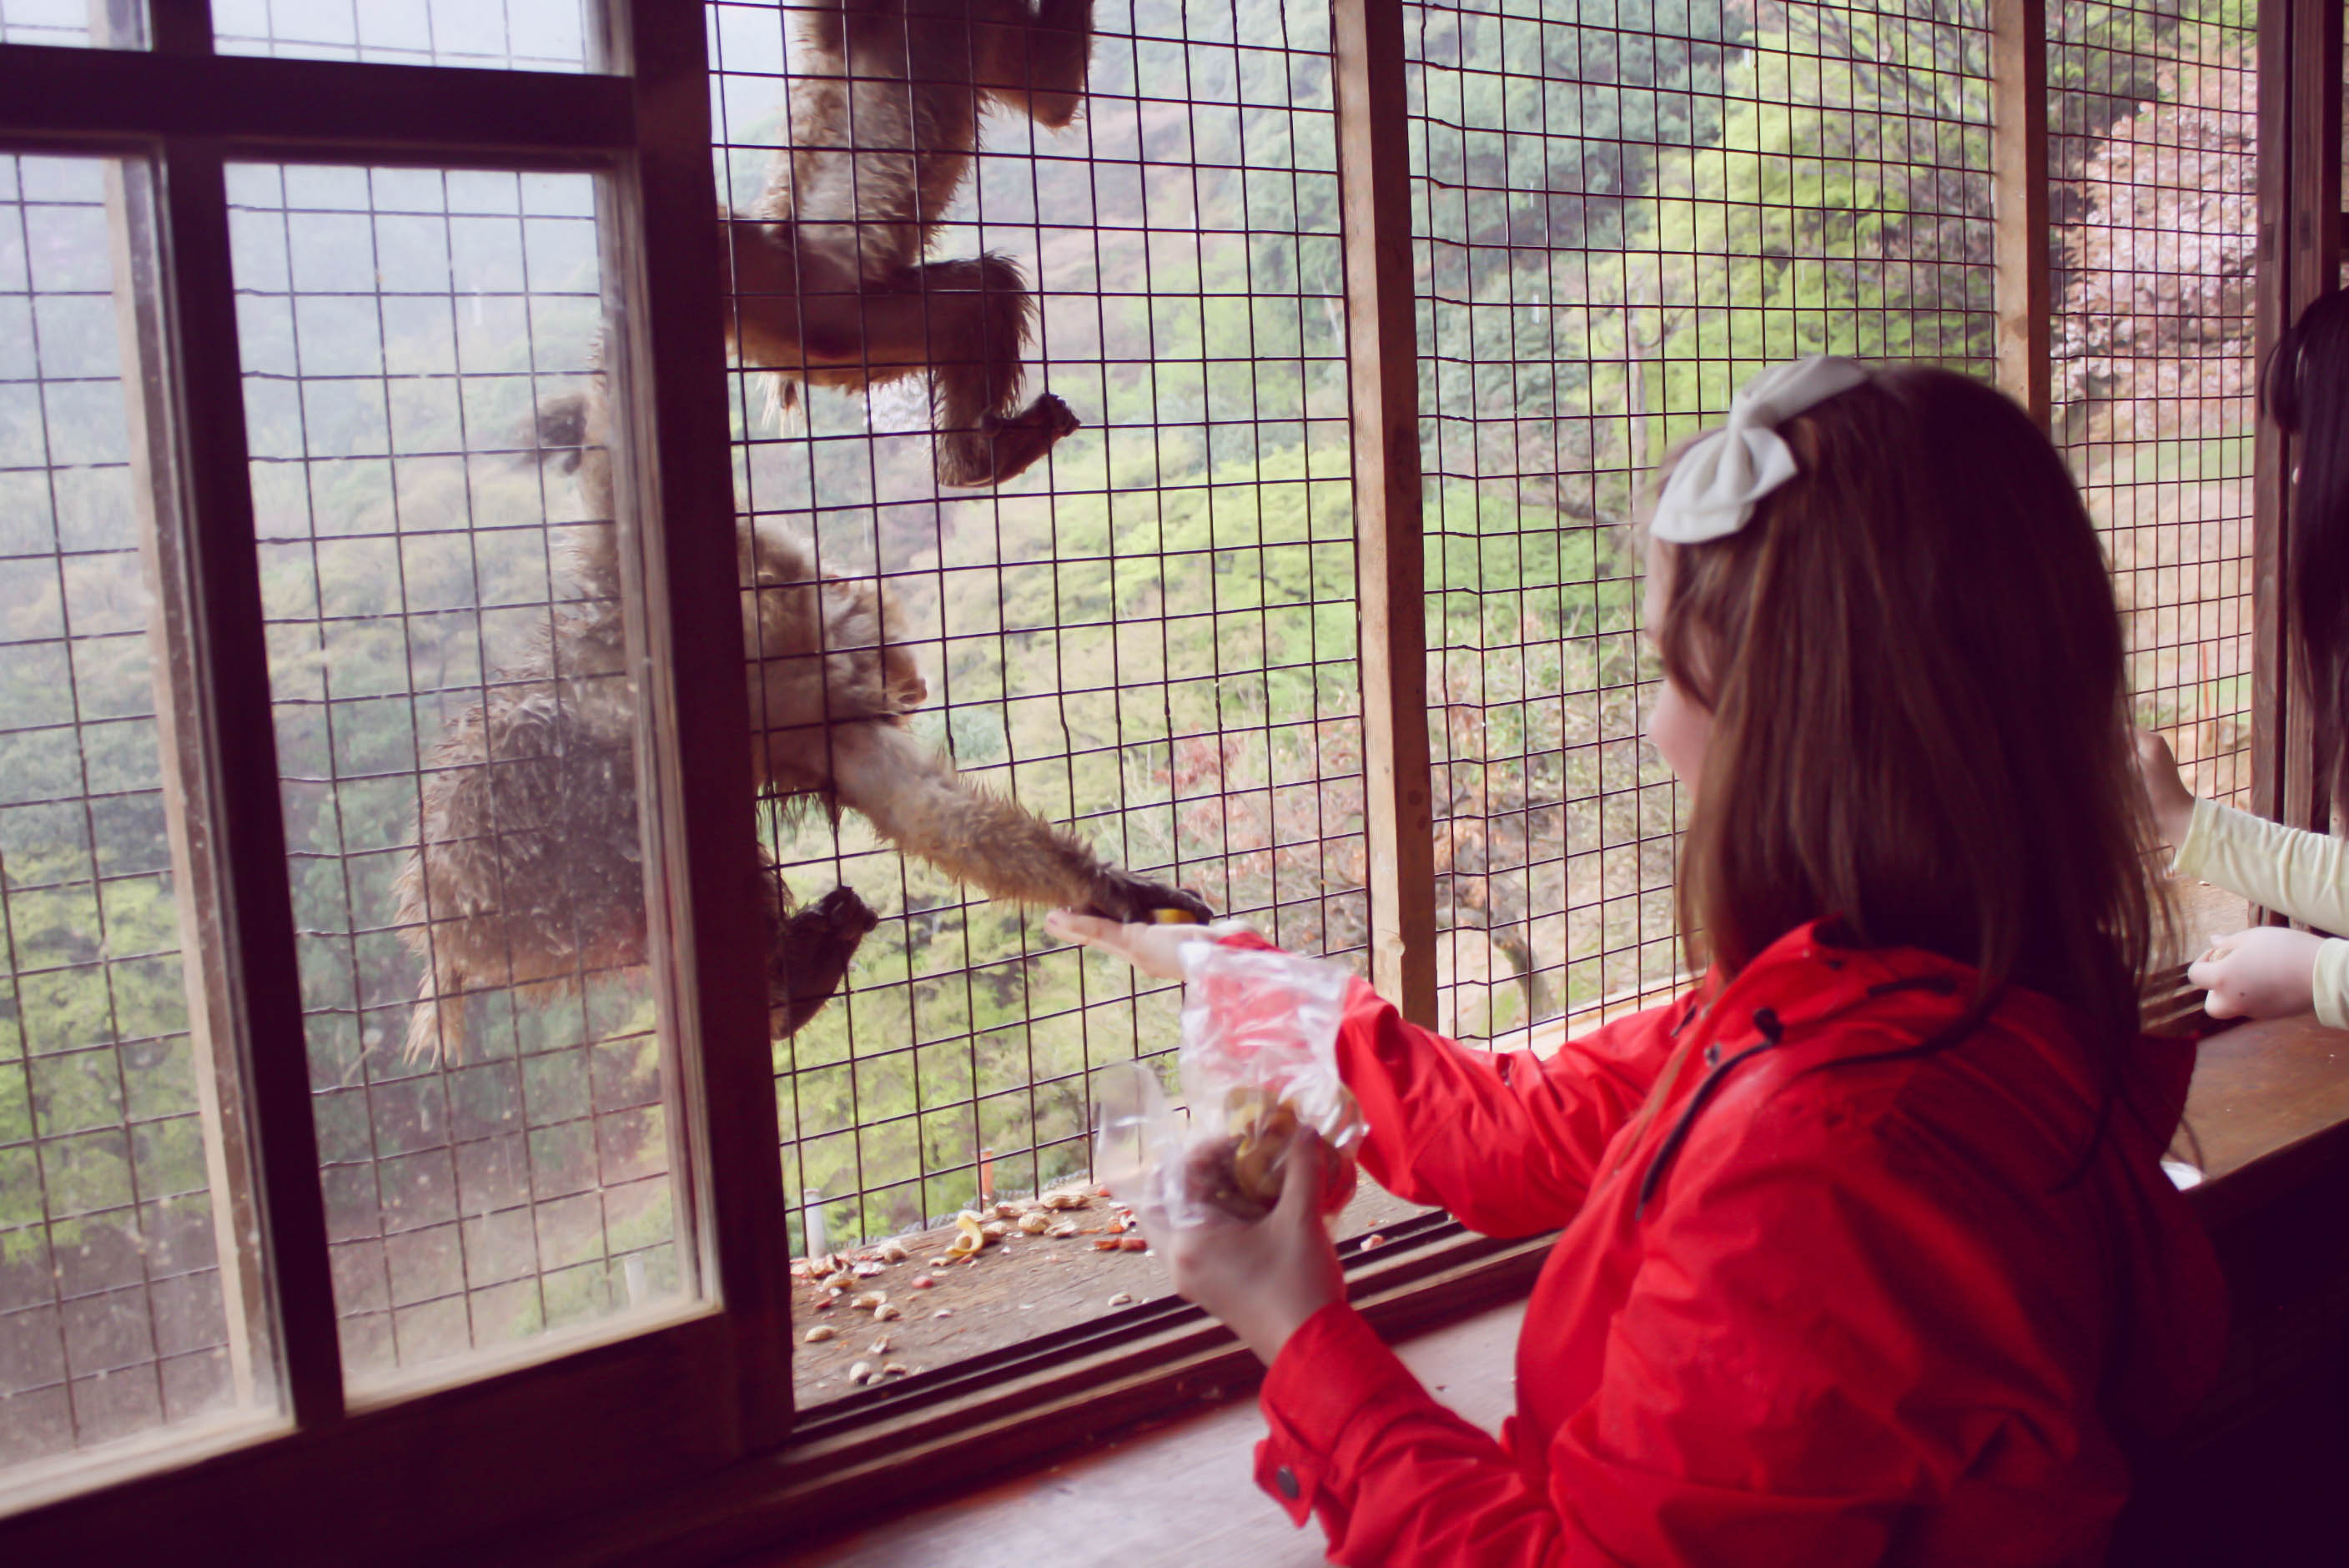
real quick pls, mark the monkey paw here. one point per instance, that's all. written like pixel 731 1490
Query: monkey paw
pixel 810 956
pixel 1049 414
pixel 562 430
pixel 838 916
pixel 1001 450
pixel 1123 896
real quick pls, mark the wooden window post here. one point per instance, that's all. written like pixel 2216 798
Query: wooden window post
pixel 1374 174
pixel 2299 263
pixel 2025 296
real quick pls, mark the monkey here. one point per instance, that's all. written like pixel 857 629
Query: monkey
pixel 831 287
pixel 527 870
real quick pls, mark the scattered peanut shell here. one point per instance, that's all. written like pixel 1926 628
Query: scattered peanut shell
pixel 870 1299
pixel 1133 1245
pixel 881 1346
pixel 1122 1298
pixel 970 1235
pixel 860 1371
pixel 1006 1210
pixel 1375 1241
pixel 825 1305
pixel 1117 1224
pixel 1034 1224
pixel 884 1313
pixel 921 1282
pixel 942 1260
pixel 818 1334
pixel 895 1369
pixel 893 1252
pixel 1067 1198
pixel 995 1230
pixel 1062 1231
pixel 867 1271
pixel 943 1312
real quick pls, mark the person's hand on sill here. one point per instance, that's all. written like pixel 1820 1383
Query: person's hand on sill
pixel 2166 794
pixel 1262 1279
pixel 2266 971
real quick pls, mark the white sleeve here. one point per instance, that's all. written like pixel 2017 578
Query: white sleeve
pixel 2304 875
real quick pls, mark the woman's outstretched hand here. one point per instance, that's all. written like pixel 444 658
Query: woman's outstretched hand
pixel 1152 949
pixel 1262 1279
pixel 2166 794
pixel 2267 972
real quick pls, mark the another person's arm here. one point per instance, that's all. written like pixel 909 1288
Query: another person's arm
pixel 2268 971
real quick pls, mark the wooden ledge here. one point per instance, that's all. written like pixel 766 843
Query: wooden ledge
pixel 2269 1112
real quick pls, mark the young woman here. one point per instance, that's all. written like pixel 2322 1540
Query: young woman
pixel 2271 971
pixel 1866 1250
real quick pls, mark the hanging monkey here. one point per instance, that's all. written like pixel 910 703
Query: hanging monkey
pixel 831 287
pixel 528 872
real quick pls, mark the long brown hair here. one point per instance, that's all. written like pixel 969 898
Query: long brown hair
pixel 2307 389
pixel 1918 683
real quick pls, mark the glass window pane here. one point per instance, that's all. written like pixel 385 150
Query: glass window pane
pixel 517 34
pixel 60 22
pixel 2156 107
pixel 124 1306
pixel 497 1154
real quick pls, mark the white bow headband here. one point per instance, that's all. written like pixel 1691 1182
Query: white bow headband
pixel 1717 481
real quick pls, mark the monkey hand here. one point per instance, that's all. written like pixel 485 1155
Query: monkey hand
pixel 562 431
pixel 1006 447
pixel 1124 897
pixel 808 955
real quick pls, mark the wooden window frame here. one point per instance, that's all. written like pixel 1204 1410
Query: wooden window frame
pixel 2299 206
pixel 569 1421
pixel 679 1440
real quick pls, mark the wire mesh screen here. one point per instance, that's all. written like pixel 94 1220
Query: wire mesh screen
pixel 1621 212
pixel 1148 635
pixel 2152 150
pixel 517 35
pixel 111 1314
pixel 488 1076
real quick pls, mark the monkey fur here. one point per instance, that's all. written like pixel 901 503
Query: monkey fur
pixel 528 872
pixel 830 286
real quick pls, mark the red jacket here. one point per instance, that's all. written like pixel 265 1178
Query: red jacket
pixel 1805 1316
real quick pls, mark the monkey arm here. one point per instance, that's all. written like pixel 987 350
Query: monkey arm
pixel 915 799
pixel 1039 60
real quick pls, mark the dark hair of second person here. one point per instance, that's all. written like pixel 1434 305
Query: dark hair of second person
pixel 2307 389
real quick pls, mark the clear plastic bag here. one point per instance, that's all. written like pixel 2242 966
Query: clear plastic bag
pixel 1258 1061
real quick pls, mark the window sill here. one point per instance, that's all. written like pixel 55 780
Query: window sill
pixel 1052 1396
pixel 2269 1109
